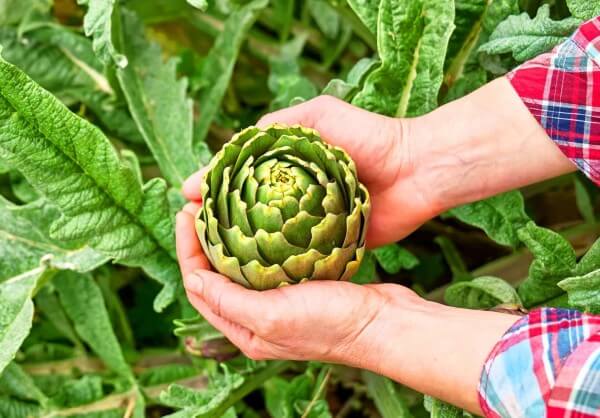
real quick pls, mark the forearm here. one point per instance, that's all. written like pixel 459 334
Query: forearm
pixel 481 145
pixel 434 349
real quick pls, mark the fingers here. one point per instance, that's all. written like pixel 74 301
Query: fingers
pixel 189 251
pixel 227 299
pixel 191 187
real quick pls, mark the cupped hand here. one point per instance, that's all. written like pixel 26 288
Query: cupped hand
pixel 321 320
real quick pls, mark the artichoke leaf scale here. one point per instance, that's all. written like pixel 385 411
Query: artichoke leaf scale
pixel 298 230
pixel 238 212
pixel 258 145
pixel 333 201
pixel 265 217
pixel 353 224
pixel 300 267
pixel 263 278
pixel 312 201
pixel 241 175
pixel 240 246
pixel 333 266
pixel 222 212
pixel 250 189
pixel 223 158
pixel 288 206
pixel 228 266
pixel 275 248
pixel 353 265
pixel 329 233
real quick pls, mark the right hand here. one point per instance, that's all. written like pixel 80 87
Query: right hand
pixel 381 149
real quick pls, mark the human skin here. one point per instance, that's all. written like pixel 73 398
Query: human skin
pixel 475 147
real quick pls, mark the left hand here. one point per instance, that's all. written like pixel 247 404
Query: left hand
pixel 321 320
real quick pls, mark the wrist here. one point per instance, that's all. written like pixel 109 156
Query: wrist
pixel 481 145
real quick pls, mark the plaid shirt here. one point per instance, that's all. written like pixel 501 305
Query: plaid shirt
pixel 548 363
pixel 562 91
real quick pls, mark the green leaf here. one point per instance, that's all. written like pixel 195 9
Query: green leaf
pixel 49 306
pixel 584 9
pixel 481 293
pixel 97 24
pixel 527 38
pixel 285 80
pixel 74 165
pixel 583 291
pixel 157 100
pixel 384 393
pixel 367 272
pixel 16 313
pixel 13 11
pixel 25 241
pixel 454 260
pixel 346 90
pixel 19 384
pixel 326 18
pixel 583 197
pixel 218 66
pixel 590 261
pixel 82 300
pixel 13 408
pixel 411 70
pixel 367 11
pixel 393 258
pixel 499 216
pixel 554 260
pixel 441 409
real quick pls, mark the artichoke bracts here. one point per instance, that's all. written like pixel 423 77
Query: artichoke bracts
pixel 280 206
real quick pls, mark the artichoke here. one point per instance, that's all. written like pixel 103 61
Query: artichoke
pixel 281 207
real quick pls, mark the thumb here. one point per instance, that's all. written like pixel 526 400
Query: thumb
pixel 225 298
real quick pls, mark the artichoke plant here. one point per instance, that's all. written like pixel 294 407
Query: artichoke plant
pixel 281 207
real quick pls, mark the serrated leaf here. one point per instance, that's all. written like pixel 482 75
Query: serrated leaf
pixel 218 66
pixel 481 293
pixel 393 258
pixel 25 241
pixel 49 306
pixel 583 291
pixel 74 165
pixel 86 389
pixel 97 24
pixel 584 9
pixel 527 38
pixel 554 260
pixel 157 100
pixel 499 216
pixel 16 313
pixel 412 38
pixel 387 399
pixel 82 300
pixel 13 408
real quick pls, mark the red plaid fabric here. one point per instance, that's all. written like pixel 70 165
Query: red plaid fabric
pixel 562 91
pixel 546 365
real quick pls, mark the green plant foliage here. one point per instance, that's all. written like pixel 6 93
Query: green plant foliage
pixel 481 293
pixel 526 37
pixel 393 258
pixel 583 9
pixel 107 106
pixel 501 217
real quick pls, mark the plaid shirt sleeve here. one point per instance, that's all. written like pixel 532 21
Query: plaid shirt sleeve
pixel 562 91
pixel 546 365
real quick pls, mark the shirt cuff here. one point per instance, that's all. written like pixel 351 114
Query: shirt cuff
pixel 521 372
pixel 560 89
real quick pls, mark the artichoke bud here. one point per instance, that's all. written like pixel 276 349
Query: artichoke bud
pixel 280 206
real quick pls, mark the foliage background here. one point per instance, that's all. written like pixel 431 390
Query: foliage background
pixel 106 106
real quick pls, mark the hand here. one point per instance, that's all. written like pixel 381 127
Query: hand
pixel 321 320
